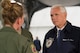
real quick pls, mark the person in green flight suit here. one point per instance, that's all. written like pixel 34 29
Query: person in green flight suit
pixel 27 34
pixel 10 40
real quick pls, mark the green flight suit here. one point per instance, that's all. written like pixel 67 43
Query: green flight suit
pixel 12 42
pixel 27 34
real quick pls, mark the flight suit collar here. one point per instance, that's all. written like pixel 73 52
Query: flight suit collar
pixel 8 29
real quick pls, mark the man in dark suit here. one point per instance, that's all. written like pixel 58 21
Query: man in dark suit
pixel 37 44
pixel 67 40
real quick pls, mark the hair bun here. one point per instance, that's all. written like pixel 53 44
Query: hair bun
pixel 6 4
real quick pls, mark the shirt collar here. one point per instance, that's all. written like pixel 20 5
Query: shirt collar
pixel 62 27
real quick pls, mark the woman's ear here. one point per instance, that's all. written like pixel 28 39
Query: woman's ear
pixel 20 21
pixel 16 25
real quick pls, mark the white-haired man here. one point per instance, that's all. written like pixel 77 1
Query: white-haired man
pixel 63 38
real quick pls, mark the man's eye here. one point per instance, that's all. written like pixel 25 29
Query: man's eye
pixel 56 14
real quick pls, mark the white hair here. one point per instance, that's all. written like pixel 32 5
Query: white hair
pixel 62 8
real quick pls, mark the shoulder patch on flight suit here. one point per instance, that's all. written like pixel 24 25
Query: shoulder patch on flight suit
pixel 33 48
pixel 49 42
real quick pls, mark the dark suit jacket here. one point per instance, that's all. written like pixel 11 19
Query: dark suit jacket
pixel 70 40
pixel 37 44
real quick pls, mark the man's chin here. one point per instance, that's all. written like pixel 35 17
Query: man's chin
pixel 56 25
